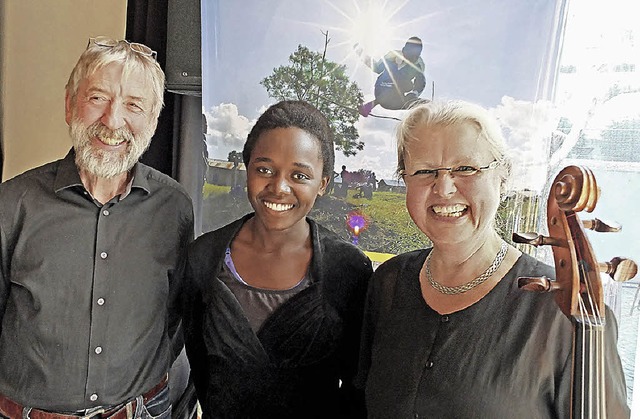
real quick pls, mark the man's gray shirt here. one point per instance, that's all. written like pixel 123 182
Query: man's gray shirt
pixel 86 290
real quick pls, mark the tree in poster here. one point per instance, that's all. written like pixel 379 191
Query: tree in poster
pixel 311 77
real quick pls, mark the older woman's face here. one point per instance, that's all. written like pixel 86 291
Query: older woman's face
pixel 451 208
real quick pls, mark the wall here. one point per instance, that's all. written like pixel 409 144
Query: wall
pixel 40 41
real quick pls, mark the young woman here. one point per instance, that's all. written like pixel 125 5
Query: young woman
pixel 274 300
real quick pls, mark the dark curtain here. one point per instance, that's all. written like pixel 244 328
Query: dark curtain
pixel 147 24
pixel 1 111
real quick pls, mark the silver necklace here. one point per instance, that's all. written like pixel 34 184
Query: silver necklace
pixel 459 289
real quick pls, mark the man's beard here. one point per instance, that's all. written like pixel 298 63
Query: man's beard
pixel 104 163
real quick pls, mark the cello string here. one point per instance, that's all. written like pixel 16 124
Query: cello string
pixel 596 345
pixel 583 365
pixel 599 347
pixel 602 387
pixel 586 340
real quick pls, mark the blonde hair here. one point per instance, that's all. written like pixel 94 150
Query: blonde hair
pixel 98 56
pixel 448 113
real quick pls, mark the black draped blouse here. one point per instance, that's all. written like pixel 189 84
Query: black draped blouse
pixel 506 356
pixel 302 361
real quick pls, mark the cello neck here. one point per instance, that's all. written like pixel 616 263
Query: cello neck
pixel 588 387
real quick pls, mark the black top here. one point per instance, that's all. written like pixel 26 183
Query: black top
pixel 292 367
pixel 506 356
pixel 84 288
pixel 257 303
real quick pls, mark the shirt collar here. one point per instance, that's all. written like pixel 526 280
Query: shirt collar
pixel 67 176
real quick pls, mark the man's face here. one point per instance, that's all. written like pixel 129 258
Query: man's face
pixel 111 120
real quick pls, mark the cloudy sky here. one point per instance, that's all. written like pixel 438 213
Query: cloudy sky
pixel 495 53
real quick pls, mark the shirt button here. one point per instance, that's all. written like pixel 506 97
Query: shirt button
pixel 444 319
pixel 93 397
pixel 105 212
pixel 103 255
pixel 100 301
pixel 98 350
pixel 429 364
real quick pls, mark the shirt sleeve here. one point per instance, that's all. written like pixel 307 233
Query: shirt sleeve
pixel 5 256
pixel 176 284
pixel 193 311
pixel 378 302
pixel 352 396
pixel 615 386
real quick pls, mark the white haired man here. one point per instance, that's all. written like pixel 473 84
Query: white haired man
pixel 88 247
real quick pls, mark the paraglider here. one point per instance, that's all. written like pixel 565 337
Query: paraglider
pixel 401 77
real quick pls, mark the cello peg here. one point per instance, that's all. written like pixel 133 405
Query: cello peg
pixel 537 284
pixel 536 239
pixel 619 269
pixel 600 226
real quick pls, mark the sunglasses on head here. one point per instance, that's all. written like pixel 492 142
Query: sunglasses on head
pixel 103 41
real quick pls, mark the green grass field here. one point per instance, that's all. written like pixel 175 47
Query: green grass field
pixel 389 230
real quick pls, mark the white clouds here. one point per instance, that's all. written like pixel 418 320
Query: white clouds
pixel 379 154
pixel 226 130
pixel 528 129
pixel 528 125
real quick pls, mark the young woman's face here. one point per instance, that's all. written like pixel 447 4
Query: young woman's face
pixel 449 207
pixel 284 177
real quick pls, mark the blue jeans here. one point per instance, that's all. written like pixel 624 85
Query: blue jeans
pixel 159 407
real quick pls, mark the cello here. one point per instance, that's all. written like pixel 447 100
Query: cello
pixel 578 287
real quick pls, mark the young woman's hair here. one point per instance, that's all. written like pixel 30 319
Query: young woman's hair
pixel 298 114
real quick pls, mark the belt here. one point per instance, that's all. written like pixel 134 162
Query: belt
pixel 14 410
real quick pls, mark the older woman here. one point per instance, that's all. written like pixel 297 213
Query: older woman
pixel 447 331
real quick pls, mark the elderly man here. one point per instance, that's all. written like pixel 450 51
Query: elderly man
pixel 88 246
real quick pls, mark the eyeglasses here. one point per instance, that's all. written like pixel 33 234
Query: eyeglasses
pixel 103 41
pixel 426 176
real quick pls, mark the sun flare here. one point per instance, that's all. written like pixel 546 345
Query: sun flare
pixel 371 26
pixel 372 30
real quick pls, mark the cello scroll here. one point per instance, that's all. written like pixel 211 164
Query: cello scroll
pixel 578 288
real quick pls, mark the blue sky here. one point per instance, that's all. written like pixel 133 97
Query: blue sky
pixel 494 53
